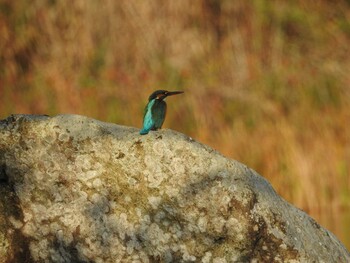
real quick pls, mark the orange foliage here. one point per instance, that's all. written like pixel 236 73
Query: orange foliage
pixel 267 82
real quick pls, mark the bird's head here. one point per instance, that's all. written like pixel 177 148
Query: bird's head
pixel 162 94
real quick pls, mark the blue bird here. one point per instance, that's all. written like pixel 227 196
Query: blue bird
pixel 155 110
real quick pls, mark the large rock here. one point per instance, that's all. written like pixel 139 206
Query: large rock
pixel 79 190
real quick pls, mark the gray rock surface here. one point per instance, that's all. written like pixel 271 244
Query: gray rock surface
pixel 74 189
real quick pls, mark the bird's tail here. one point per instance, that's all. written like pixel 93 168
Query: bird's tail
pixel 144 131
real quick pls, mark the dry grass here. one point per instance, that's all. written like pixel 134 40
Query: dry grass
pixel 267 82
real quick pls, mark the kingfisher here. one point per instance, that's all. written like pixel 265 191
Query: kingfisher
pixel 155 110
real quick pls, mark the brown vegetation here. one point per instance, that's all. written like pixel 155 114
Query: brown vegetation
pixel 266 82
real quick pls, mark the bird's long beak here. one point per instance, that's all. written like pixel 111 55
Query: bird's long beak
pixel 170 93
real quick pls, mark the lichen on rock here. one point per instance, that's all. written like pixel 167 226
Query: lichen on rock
pixel 89 191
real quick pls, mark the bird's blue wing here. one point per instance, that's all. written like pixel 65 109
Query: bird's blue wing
pixel 158 114
pixel 148 123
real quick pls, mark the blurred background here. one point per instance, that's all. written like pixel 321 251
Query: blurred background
pixel 266 82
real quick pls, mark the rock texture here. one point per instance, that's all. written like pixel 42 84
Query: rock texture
pixel 74 189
